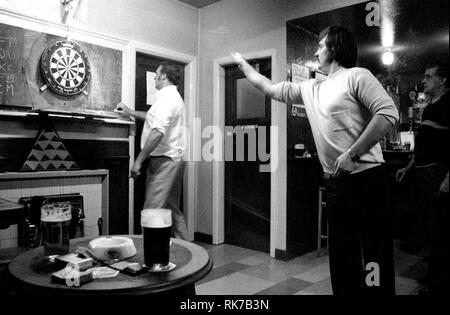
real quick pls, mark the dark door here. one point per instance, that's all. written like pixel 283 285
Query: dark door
pixel 247 189
pixel 146 63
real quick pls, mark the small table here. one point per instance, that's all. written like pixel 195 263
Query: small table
pixel 10 213
pixel 31 273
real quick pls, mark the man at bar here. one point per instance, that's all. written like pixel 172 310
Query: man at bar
pixel 349 113
pixel 163 143
pixel 431 156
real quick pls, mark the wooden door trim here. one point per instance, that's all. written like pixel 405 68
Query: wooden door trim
pixel 190 100
pixel 277 143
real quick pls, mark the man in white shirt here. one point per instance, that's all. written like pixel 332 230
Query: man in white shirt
pixel 163 143
pixel 349 113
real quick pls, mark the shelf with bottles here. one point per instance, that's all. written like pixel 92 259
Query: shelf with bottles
pixel 405 144
pixel 400 138
pixel 410 126
pixel 419 101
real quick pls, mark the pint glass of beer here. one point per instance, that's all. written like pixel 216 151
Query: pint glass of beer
pixel 55 225
pixel 156 227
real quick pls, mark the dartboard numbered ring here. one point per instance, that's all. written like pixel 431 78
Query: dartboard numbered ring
pixel 65 68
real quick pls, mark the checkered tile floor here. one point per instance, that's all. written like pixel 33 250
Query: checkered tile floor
pixel 240 271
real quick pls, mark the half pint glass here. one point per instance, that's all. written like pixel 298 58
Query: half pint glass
pixel 156 228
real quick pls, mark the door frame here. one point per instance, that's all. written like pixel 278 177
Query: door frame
pixel 277 143
pixel 190 100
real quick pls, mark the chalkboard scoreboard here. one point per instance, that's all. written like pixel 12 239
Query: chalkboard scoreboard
pixel 22 84
pixel 12 79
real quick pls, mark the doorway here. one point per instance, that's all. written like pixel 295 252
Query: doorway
pixel 247 189
pixel 146 63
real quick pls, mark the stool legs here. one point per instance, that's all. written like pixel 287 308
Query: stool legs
pixel 321 236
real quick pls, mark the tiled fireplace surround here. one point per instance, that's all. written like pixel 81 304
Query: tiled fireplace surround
pixel 91 184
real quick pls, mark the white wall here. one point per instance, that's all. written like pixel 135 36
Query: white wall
pixel 165 23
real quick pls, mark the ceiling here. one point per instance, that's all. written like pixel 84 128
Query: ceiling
pixel 199 3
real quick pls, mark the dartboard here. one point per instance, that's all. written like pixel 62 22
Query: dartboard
pixel 65 67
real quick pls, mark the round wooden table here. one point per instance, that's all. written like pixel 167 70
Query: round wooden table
pixel 31 273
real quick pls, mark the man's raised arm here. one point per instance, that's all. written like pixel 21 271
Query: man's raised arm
pixel 258 80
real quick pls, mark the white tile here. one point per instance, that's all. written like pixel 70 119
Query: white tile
pixel 234 284
pixel 15 195
pixel 7 194
pixel 65 189
pixel 56 190
pixel 15 198
pixel 225 254
pixel 90 218
pixel 90 188
pixel 34 191
pixel 72 189
pixel 13 230
pixel 321 288
pixel 316 274
pixel 276 275
pixel 85 189
pixel 26 192
pixel 9 243
pixel 4 234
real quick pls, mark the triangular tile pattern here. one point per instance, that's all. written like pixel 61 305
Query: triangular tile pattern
pixel 49 153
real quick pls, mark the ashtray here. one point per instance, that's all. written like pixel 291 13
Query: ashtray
pixel 162 268
pixel 114 247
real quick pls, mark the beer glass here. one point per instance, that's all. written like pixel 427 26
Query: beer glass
pixel 55 226
pixel 299 150
pixel 156 228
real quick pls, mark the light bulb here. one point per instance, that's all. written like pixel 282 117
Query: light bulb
pixel 388 57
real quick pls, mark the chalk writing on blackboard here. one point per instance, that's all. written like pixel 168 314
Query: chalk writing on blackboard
pixel 7 68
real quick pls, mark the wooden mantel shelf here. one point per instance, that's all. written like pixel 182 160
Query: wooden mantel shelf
pixel 68 115
pixel 52 174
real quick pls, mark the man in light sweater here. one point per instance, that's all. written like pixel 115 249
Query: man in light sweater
pixel 349 113
pixel 163 143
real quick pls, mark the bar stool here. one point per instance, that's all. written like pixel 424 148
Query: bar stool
pixel 320 224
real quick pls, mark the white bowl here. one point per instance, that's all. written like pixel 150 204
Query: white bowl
pixel 113 247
